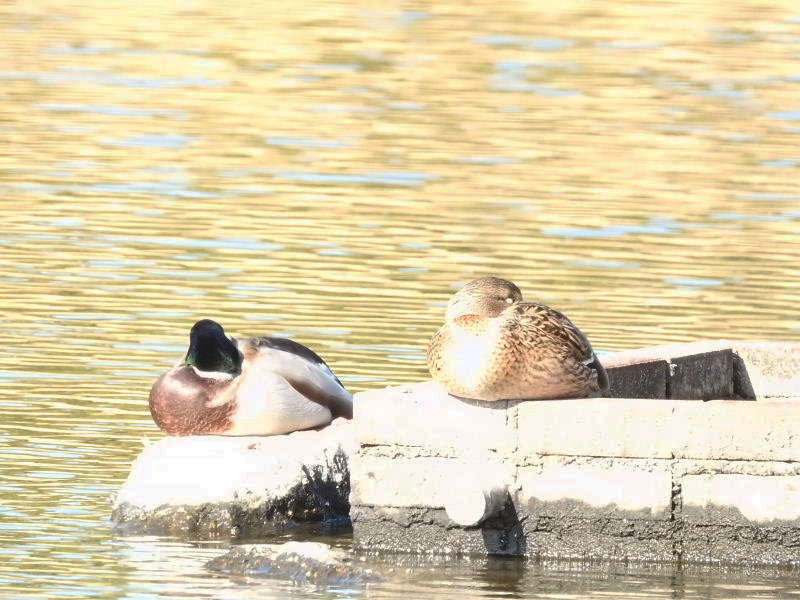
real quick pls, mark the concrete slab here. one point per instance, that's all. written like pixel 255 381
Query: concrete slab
pixel 598 539
pixel 734 499
pixel 592 487
pixel 734 430
pixel 605 478
pixel 693 371
pixel 767 370
pixel 401 481
pixel 701 376
pixel 646 379
pixel 424 415
pixel 596 427
pixel 221 487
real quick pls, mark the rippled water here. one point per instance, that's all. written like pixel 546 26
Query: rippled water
pixel 330 171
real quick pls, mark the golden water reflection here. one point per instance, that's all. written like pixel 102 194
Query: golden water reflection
pixel 331 171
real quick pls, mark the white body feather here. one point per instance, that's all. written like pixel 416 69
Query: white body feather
pixel 268 403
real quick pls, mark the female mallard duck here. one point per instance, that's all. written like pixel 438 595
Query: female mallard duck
pixel 259 386
pixel 494 346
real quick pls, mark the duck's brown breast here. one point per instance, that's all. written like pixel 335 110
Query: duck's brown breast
pixel 463 356
pixel 184 403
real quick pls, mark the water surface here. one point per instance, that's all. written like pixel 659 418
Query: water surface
pixel 331 172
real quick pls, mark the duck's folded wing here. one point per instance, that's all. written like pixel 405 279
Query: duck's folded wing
pixel 304 370
pixel 292 347
pixel 550 323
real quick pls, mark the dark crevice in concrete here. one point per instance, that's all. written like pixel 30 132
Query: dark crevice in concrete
pixel 676 508
pixel 671 368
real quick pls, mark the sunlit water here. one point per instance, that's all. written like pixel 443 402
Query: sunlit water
pixel 330 171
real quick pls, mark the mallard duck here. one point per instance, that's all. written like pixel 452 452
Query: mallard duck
pixel 257 386
pixel 495 346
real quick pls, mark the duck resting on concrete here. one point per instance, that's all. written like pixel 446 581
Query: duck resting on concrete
pixel 494 346
pixel 257 386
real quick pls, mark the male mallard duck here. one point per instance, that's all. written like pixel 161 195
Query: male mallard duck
pixel 259 386
pixel 494 346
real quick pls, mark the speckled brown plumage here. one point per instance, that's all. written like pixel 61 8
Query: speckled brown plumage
pixel 495 346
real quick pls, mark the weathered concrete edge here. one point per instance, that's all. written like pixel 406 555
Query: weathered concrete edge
pixel 212 487
pixel 645 428
pixel 425 530
pixel 412 421
pixel 223 520
pixel 691 528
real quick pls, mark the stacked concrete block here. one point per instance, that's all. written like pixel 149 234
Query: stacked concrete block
pixel 696 371
pixel 614 478
pixel 429 452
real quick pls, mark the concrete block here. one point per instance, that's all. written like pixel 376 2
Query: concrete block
pixel 596 427
pixel 425 415
pixel 760 468
pixel 647 379
pixel 400 482
pixel 598 539
pixel 766 370
pixel 218 486
pixel 421 482
pixel 730 499
pixel 696 371
pixel 430 531
pixel 591 488
pixel 701 376
pixel 733 430
pixel 608 478
pixel 774 547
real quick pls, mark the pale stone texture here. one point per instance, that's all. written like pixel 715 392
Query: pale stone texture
pixel 741 499
pixel 413 482
pixel 734 430
pixel 767 369
pixel 424 415
pixel 586 487
pixel 596 427
pixel 644 428
pixel 421 481
pixel 218 486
